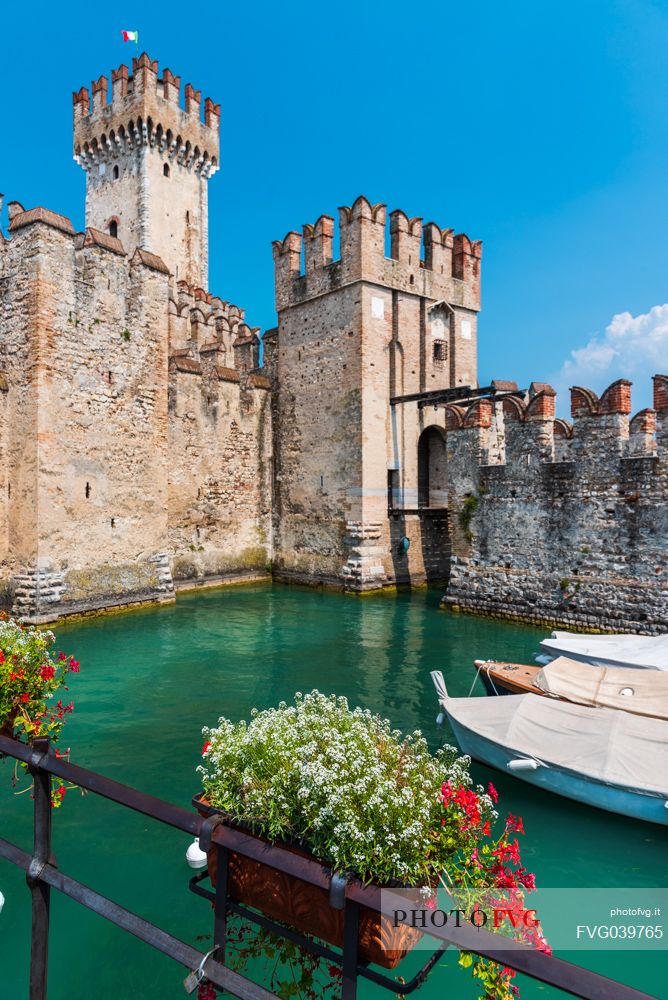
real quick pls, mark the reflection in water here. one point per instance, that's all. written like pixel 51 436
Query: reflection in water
pixel 151 679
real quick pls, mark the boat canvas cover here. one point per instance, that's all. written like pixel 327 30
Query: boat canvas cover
pixel 609 746
pixel 644 692
pixel 645 651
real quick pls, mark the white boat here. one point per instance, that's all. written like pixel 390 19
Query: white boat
pixel 602 757
pixel 647 652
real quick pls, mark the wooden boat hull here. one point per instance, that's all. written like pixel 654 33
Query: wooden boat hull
pixel 562 781
pixel 500 678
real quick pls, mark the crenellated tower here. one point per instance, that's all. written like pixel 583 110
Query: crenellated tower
pixel 148 162
pixel 394 315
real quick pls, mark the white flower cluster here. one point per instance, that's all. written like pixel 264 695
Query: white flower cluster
pixel 361 797
pixel 23 639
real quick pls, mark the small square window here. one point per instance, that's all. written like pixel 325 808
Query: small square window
pixel 440 353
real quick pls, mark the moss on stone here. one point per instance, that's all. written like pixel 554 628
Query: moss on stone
pixel 110 580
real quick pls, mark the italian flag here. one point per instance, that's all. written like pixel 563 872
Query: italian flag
pixel 130 36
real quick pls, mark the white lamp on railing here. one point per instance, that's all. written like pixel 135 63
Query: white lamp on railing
pixel 195 856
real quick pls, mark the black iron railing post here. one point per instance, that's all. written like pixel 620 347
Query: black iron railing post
pixel 41 892
pixel 222 879
pixel 220 905
pixel 351 924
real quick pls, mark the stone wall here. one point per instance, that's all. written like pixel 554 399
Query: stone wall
pixel 318 437
pixel 135 423
pixel 4 485
pixel 85 341
pixel 121 468
pixel 569 525
pixel 220 472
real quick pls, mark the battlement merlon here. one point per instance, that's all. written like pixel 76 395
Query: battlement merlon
pixel 602 432
pixel 661 407
pixel 144 110
pixel 661 393
pixel 424 260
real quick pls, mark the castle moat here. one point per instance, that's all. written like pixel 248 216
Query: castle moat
pixel 152 678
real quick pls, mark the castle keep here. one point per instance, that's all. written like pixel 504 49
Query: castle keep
pixel 354 333
pixel 144 449
pixel 136 426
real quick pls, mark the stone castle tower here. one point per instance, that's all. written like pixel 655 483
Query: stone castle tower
pixel 354 335
pixel 148 163
pixel 135 426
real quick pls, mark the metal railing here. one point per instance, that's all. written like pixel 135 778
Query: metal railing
pixel 43 875
pixel 415 501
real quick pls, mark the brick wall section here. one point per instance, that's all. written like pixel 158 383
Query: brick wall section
pixel 220 473
pixel 580 540
pixel 661 393
pixel 318 443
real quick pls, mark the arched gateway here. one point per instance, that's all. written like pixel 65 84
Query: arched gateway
pixel 432 468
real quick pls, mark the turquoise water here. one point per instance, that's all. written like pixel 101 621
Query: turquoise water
pixel 151 679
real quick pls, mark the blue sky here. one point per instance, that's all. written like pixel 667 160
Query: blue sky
pixel 540 128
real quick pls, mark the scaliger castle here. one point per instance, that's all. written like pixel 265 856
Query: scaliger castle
pixel 143 449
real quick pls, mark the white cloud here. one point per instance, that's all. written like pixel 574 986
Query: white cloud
pixel 633 347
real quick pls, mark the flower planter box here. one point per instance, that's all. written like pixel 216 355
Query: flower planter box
pixel 306 907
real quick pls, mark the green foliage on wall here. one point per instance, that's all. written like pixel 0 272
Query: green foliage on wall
pixel 466 515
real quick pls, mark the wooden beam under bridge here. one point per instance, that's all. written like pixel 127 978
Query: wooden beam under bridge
pixel 458 394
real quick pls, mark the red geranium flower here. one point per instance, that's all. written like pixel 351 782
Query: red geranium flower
pixel 515 824
pixel 527 879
